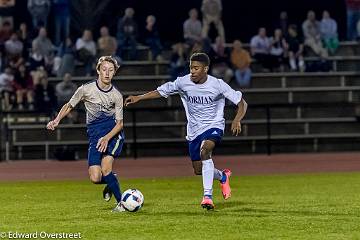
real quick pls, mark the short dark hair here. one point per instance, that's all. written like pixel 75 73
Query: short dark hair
pixel 200 57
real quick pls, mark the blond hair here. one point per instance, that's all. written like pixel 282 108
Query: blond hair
pixel 109 59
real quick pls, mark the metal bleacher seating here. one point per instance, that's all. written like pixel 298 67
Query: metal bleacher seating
pixel 288 112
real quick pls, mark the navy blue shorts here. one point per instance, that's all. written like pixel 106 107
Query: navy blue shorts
pixel 214 134
pixel 115 144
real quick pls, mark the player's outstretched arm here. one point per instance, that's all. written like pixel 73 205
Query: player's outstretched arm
pixel 134 99
pixel 236 125
pixel 65 110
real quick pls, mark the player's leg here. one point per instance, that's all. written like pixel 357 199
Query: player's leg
pixel 207 172
pixel 95 174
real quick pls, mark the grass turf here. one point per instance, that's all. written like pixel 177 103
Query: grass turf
pixel 313 206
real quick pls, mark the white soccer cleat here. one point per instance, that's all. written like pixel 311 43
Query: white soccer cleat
pixel 118 208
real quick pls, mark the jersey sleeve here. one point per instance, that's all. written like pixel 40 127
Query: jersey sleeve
pixel 229 93
pixel 77 97
pixel 169 88
pixel 119 115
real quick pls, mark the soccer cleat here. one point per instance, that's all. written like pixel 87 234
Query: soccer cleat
pixel 207 203
pixel 119 208
pixel 225 186
pixel 107 193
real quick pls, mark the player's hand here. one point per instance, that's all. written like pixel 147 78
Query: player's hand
pixel 131 100
pixel 102 144
pixel 236 128
pixel 52 125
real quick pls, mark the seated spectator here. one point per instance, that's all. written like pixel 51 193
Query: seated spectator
pixel 14 47
pixel 192 28
pixel 241 60
pixel 45 48
pixel 152 37
pixel 220 61
pixel 329 34
pixel 37 60
pixel 24 87
pixel 278 48
pixel 211 12
pixel 64 91
pixel 86 51
pixel 45 98
pixel 311 31
pixel 39 11
pixel 260 49
pixel 5 33
pixel 107 44
pixel 295 49
pixel 67 54
pixel 178 61
pixel 7 88
pixel 127 33
pixel 25 38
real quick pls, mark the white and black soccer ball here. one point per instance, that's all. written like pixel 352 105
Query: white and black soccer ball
pixel 132 200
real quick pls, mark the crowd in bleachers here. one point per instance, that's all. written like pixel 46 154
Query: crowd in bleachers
pixel 28 56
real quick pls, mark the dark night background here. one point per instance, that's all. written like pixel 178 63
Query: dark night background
pixel 241 18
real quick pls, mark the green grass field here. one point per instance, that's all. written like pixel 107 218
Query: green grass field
pixel 314 206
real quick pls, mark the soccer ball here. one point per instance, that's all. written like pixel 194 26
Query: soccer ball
pixel 132 200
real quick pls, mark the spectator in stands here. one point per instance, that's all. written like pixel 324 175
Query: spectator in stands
pixel 295 49
pixel 220 61
pixel 283 23
pixel 260 49
pixel 178 61
pixel 86 50
pixel 107 44
pixel 62 20
pixel 37 60
pixel 39 11
pixel 311 31
pixel 278 48
pixel 6 87
pixel 64 91
pixel 25 38
pixel 152 37
pixel 329 34
pixel 353 17
pixel 5 33
pixel 67 54
pixel 211 11
pixel 45 98
pixel 24 87
pixel 44 47
pixel 7 11
pixel 14 47
pixel 241 60
pixel 127 33
pixel 192 28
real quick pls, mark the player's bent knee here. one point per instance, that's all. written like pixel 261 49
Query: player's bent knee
pixel 95 178
pixel 205 154
pixel 197 165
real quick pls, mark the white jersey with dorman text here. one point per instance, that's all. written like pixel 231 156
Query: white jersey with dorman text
pixel 204 103
pixel 101 105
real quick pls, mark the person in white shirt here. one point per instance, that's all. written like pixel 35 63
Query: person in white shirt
pixel 203 97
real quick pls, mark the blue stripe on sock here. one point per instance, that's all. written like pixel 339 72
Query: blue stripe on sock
pixel 223 179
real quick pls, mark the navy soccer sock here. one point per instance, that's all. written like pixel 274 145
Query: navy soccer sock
pixel 114 186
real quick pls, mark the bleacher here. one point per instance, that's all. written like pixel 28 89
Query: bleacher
pixel 288 112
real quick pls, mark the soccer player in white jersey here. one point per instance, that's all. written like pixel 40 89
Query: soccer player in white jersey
pixel 203 97
pixel 104 118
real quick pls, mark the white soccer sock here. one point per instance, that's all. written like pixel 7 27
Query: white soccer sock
pixel 217 174
pixel 208 176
